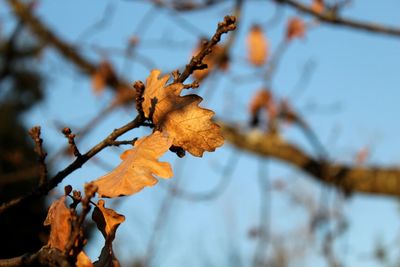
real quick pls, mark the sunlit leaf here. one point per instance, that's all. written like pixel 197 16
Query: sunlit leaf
pixel 189 125
pixel 138 167
pixel 59 219
pixel 257 46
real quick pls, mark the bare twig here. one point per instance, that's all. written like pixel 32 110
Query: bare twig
pixel 196 62
pixel 76 164
pixel 65 49
pixel 77 239
pixel 139 86
pixel 124 142
pixel 71 141
pixel 225 179
pixel 334 19
pixel 188 5
pixel 35 134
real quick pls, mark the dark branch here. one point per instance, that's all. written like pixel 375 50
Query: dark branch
pixel 196 62
pixel 68 51
pixel 335 19
pixel 371 180
pixel 78 162
pixel 35 134
pixel 71 141
pixel 44 257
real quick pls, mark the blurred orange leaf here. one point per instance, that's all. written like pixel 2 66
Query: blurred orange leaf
pixel 257 46
pixel 295 29
pixel 260 100
pixel 318 6
pixel 189 125
pixel 138 167
pixel 59 219
pixel 102 76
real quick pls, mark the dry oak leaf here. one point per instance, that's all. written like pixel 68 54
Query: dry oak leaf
pixel 257 46
pixel 261 99
pixel 82 260
pixel 295 29
pixel 107 221
pixel 59 219
pixel 138 167
pixel 318 6
pixel 189 125
pixel 103 75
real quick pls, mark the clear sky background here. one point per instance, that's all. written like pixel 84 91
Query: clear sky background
pixel 351 101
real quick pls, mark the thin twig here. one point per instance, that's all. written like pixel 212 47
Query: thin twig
pixel 35 134
pixel 76 164
pixel 71 141
pixel 76 240
pixel 334 19
pixel 196 62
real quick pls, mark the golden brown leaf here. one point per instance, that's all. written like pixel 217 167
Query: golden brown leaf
pixel 260 100
pixel 295 28
pixel 318 6
pixel 189 125
pixel 137 168
pixel 82 260
pixel 102 76
pixel 257 46
pixel 59 219
pixel 107 221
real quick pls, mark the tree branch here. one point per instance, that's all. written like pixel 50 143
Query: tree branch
pixel 335 19
pixel 196 62
pixel 76 164
pixel 371 180
pixel 44 257
pixel 68 51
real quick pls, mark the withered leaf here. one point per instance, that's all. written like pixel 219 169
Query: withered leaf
pixel 82 260
pixel 102 76
pixel 260 100
pixel 189 125
pixel 318 6
pixel 138 167
pixel 59 219
pixel 107 221
pixel 295 29
pixel 257 46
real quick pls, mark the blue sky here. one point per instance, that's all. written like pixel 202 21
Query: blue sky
pixel 351 101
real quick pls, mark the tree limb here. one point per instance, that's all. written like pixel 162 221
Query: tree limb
pixel 371 180
pixel 69 52
pixel 76 164
pixel 335 19
pixel 44 257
